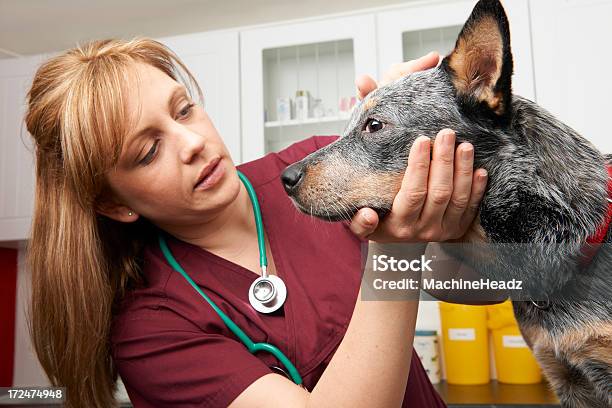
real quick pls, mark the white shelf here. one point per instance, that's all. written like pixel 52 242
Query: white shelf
pixel 309 121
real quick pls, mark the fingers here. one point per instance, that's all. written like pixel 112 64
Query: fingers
pixel 479 185
pixel 399 224
pixel 365 84
pixel 440 186
pixel 399 70
pixel 409 200
pixel 462 187
pixel 425 62
pixel 364 222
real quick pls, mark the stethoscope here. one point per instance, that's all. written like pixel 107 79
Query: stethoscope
pixel 266 294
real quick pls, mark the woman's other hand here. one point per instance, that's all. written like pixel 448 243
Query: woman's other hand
pixel 366 84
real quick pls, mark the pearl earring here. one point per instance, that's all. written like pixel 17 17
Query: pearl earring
pixel 130 213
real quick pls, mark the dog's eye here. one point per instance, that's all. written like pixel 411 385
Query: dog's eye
pixel 373 125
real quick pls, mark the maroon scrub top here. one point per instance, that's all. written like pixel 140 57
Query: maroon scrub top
pixel 172 350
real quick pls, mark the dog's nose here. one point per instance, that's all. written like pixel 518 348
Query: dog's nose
pixel 292 176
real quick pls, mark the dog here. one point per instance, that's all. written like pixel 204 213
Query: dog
pixel 548 189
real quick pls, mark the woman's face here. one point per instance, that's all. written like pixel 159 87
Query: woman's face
pixel 172 144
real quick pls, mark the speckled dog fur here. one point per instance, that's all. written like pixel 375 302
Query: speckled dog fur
pixel 547 185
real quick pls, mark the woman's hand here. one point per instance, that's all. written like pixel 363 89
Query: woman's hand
pixel 439 197
pixel 365 84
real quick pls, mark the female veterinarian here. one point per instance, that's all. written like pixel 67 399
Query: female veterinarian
pixel 141 218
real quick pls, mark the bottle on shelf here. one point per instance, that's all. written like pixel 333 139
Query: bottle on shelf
pixel 352 103
pixel 426 346
pixel 344 107
pixel 283 108
pixel 318 110
pixel 302 105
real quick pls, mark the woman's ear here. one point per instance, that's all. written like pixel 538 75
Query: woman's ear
pixel 480 66
pixel 115 211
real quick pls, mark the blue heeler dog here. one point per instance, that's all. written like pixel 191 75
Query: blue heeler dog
pixel 548 188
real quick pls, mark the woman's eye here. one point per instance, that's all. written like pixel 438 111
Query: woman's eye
pixel 186 110
pixel 373 125
pixel 150 155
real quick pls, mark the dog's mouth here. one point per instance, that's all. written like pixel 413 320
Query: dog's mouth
pixel 334 213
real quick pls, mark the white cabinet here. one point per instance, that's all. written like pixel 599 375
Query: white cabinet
pixel 213 60
pixel 317 58
pixel 16 150
pixel 572 60
pixel 414 30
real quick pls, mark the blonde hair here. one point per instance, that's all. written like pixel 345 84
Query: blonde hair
pixel 82 263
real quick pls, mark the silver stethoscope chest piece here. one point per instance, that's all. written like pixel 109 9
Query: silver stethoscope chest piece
pixel 267 294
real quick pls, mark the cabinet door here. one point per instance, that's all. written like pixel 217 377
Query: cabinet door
pixel 213 60
pixel 411 31
pixel 572 59
pixel 315 59
pixel 16 149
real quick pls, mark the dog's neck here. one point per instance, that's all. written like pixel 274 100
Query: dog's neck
pixel 546 182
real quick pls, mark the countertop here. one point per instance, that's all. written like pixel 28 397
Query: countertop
pixel 496 394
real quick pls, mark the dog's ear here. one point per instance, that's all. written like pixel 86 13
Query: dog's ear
pixel 480 66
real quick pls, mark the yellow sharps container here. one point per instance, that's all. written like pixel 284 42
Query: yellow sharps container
pixel 465 343
pixel 514 361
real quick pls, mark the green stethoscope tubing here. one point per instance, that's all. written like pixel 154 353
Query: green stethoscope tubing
pixel 238 332
pixel 263 260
